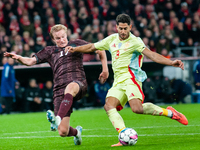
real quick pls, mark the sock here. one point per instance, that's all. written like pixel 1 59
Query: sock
pixel 65 105
pixel 167 113
pixel 116 120
pixel 151 109
pixel 72 132
pixel 58 120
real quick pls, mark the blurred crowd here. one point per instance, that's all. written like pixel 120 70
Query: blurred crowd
pixel 163 25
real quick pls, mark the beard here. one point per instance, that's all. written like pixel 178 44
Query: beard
pixel 123 36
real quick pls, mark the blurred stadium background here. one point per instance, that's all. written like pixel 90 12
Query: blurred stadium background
pixel 171 28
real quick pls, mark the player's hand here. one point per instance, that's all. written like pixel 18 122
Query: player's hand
pixel 12 55
pixel 103 76
pixel 69 49
pixel 178 63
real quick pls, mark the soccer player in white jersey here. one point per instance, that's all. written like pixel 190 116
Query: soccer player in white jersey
pixel 127 53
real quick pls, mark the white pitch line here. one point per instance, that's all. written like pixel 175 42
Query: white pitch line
pixel 89 136
pixel 150 127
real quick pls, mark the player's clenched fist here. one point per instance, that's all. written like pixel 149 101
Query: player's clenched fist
pixel 69 49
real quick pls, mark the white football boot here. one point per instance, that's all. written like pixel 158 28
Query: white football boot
pixel 55 121
pixel 77 138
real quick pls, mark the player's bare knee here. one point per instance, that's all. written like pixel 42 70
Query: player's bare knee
pixel 63 132
pixel 72 89
pixel 106 107
pixel 137 110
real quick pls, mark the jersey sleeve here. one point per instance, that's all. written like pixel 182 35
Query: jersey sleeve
pixel 42 56
pixel 103 44
pixel 80 42
pixel 141 45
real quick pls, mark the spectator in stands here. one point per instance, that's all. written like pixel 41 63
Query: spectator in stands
pixel 167 9
pixel 7 12
pixel 6 42
pixel 168 33
pixel 195 32
pixel 15 49
pixel 40 44
pixel 18 42
pixel 1 14
pixel 32 10
pixel 180 90
pixel 179 31
pixel 26 25
pixel 196 74
pixel 2 51
pixel 166 90
pixel 97 15
pixel 156 33
pixel 87 33
pixel 83 18
pixel 2 34
pixel 149 90
pixel 8 85
pixel 27 52
pixel 51 23
pixel 176 5
pixel 113 10
pixel 152 24
pixel 165 53
pixel 19 98
pixel 152 46
pixel 33 97
pixel 14 33
pixel 4 60
pixel 37 22
pixel 47 95
pixel 184 11
pixel 14 25
pixel 162 43
pixel 188 25
pixel 101 90
pixel 26 37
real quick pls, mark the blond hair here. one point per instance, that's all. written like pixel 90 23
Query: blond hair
pixel 57 28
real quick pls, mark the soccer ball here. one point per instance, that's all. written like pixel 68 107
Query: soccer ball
pixel 128 136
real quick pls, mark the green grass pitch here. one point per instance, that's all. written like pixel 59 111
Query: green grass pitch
pixel 31 131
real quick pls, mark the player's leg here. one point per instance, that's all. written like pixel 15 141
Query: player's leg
pixel 115 101
pixel 62 105
pixel 152 109
pixel 135 97
pixel 115 118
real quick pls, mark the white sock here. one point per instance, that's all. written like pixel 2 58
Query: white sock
pixel 58 120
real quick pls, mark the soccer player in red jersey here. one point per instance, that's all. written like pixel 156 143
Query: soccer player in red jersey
pixel 69 78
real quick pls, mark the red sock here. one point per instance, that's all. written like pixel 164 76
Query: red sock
pixel 65 105
pixel 72 132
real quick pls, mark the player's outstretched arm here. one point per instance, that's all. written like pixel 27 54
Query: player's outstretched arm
pixel 88 48
pixel 105 73
pixel 162 60
pixel 23 60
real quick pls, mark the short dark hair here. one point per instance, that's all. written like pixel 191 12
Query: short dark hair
pixel 123 18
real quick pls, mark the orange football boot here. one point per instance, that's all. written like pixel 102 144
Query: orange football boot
pixel 178 116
